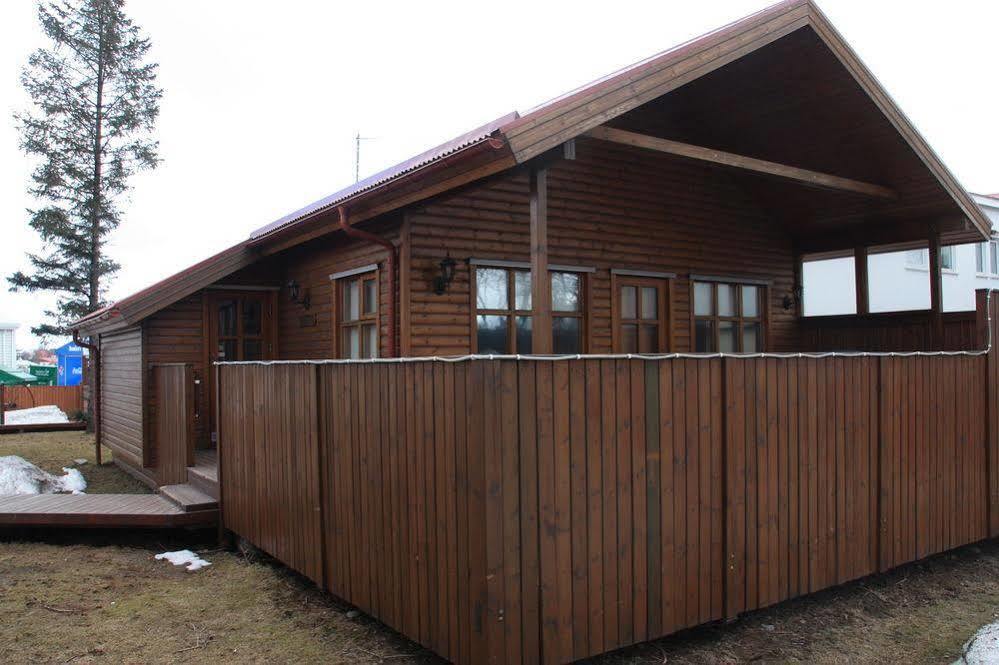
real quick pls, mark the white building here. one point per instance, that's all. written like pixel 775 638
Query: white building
pixel 8 346
pixel 900 281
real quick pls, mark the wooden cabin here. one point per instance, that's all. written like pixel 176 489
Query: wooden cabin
pixel 665 208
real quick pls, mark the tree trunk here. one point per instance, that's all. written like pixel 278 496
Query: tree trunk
pixel 95 215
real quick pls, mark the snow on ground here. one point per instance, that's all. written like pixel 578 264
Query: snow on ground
pixel 36 415
pixel 184 558
pixel 983 647
pixel 19 476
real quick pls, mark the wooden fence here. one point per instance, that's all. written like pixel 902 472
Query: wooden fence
pixel 543 511
pixel 172 425
pixel 68 398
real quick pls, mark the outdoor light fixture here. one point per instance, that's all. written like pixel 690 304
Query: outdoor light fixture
pixel 442 281
pixel 796 296
pixel 298 296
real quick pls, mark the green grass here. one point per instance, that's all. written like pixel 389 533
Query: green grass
pixel 54 450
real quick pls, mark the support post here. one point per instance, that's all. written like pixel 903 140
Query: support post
pixel 936 291
pixel 541 301
pixel 862 280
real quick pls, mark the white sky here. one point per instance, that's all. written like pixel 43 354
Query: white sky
pixel 262 99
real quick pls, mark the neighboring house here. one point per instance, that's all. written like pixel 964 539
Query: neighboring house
pixel 8 345
pixel 538 510
pixel 899 280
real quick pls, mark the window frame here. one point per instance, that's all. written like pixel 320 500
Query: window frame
pixel 988 252
pixel 511 313
pixel 762 304
pixel 340 323
pixel 665 304
pixel 582 313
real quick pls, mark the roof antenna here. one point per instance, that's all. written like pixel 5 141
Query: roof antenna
pixel 357 154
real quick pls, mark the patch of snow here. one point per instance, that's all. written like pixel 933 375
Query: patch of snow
pixel 983 647
pixel 35 416
pixel 79 461
pixel 19 476
pixel 184 558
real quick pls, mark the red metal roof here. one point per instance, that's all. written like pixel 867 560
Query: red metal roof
pixel 457 144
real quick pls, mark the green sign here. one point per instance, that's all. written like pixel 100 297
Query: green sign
pixel 47 375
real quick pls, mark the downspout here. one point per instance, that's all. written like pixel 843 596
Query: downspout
pixel 390 268
pixel 95 388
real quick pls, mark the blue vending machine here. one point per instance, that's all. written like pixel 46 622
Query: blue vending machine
pixel 70 360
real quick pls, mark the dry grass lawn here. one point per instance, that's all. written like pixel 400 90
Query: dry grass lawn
pixel 62 601
pixel 54 450
pixel 115 604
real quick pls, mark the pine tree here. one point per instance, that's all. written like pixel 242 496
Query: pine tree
pixel 95 104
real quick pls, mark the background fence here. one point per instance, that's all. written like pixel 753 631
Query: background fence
pixel 520 511
pixel 68 398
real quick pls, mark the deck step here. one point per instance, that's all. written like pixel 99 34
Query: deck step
pixel 204 480
pixel 188 498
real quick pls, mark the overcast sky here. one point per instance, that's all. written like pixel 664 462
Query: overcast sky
pixel 262 99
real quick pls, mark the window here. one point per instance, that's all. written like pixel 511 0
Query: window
pixel 641 315
pixel 987 258
pixel 917 258
pixel 503 322
pixel 948 259
pixel 358 316
pixel 920 258
pixel 728 317
pixel 567 312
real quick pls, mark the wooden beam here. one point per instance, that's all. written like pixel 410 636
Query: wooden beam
pixel 541 300
pixel 936 289
pixel 862 280
pixel 805 176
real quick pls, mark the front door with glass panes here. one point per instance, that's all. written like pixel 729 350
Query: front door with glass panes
pixel 641 315
pixel 728 317
pixel 241 327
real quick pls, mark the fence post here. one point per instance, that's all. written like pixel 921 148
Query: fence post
pixel 321 489
pixel 986 327
pixel 881 534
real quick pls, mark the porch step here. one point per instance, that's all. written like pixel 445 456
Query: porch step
pixel 188 498
pixel 205 478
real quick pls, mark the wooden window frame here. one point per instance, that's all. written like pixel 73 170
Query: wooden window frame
pixel 664 284
pixel 511 313
pixel 762 305
pixel 339 324
pixel 582 314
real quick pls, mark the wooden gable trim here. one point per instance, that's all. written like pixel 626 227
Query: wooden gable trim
pixel 867 81
pixel 596 104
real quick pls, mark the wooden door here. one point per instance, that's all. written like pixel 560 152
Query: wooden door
pixel 241 327
pixel 641 315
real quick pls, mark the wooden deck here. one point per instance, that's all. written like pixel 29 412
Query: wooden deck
pixel 99 510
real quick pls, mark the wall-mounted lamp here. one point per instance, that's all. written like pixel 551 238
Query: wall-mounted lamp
pixel 796 296
pixel 442 281
pixel 298 295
